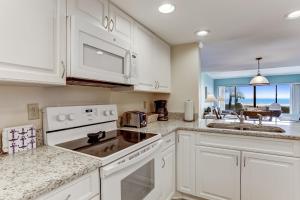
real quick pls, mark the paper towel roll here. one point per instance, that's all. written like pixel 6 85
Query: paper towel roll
pixel 189 110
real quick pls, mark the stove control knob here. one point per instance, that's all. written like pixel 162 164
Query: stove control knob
pixel 61 117
pixel 112 112
pixel 106 113
pixel 71 117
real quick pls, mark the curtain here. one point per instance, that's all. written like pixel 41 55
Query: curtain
pixel 295 100
pixel 221 97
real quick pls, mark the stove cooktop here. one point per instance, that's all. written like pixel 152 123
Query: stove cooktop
pixel 122 140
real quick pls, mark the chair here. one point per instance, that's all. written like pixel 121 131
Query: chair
pixel 275 108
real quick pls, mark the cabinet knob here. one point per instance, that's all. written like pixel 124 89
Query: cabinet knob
pixel 163 163
pixel 105 22
pixel 111 25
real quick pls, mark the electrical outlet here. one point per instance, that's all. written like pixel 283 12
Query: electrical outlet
pixel 33 111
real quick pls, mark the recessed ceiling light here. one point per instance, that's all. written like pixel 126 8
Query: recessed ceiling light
pixel 293 15
pixel 166 8
pixel 202 33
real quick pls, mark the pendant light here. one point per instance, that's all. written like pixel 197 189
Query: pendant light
pixel 259 79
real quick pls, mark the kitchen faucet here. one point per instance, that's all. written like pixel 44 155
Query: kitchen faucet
pixel 239 116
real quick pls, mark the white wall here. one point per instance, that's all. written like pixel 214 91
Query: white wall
pixel 14 100
pixel 186 68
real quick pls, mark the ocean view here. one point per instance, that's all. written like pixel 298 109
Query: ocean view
pixel 265 101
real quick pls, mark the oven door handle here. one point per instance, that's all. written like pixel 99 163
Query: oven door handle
pixel 130 160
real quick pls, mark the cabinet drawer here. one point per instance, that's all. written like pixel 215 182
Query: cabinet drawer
pixel 84 188
pixel 248 143
pixel 168 140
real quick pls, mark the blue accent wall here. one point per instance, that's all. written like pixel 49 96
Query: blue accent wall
pixel 295 78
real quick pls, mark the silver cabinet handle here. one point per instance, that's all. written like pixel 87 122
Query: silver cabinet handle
pixel 105 22
pixel 244 161
pixel 63 69
pixel 111 25
pixel 68 197
pixel 237 160
pixel 158 85
pixel 163 163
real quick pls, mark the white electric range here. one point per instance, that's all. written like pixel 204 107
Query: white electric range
pixel 130 160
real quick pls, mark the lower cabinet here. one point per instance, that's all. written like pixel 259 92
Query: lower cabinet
pixel 185 162
pixel 217 173
pixel 269 177
pixel 168 173
pixel 86 187
pixel 168 157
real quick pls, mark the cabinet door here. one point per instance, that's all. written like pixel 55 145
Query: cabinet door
pixel 162 65
pixel 143 40
pixel 168 173
pixel 217 173
pixel 94 11
pixel 120 24
pixel 32 38
pixel 185 163
pixel 268 177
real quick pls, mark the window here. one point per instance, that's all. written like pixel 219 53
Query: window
pixel 240 97
pixel 283 97
pixel 265 95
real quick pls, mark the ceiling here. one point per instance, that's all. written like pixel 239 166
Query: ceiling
pixel 240 30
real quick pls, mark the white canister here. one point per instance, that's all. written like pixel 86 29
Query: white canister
pixel 189 110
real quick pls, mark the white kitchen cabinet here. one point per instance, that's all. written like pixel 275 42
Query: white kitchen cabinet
pixel 168 169
pixel 217 173
pixel 33 38
pixel 143 47
pixel 269 177
pixel 161 65
pixel 185 162
pixel 120 24
pixel 103 14
pixel 86 187
pixel 93 11
pixel 168 173
pixel 153 61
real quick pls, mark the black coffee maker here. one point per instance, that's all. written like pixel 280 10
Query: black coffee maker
pixel 161 110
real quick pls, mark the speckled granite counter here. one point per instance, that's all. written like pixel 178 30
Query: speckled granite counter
pixel 27 175
pixel 164 128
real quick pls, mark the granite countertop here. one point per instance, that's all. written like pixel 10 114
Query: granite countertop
pixel 27 175
pixel 292 129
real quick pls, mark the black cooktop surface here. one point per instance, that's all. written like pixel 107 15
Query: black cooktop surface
pixel 122 140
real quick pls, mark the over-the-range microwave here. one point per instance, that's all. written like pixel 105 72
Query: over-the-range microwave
pixel 94 54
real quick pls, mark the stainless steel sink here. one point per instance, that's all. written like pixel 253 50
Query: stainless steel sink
pixel 246 126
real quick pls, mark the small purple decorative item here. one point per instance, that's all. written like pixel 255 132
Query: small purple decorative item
pixel 17 139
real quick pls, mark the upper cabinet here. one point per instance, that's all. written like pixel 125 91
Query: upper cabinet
pixel 153 61
pixel 94 11
pixel 120 24
pixel 105 15
pixel 39 44
pixel 32 39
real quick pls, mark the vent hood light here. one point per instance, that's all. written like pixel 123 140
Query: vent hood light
pixel 259 79
pixel 166 8
pixel 202 33
pixel 293 15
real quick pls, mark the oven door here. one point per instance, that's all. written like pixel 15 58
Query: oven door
pixel 95 54
pixel 135 177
